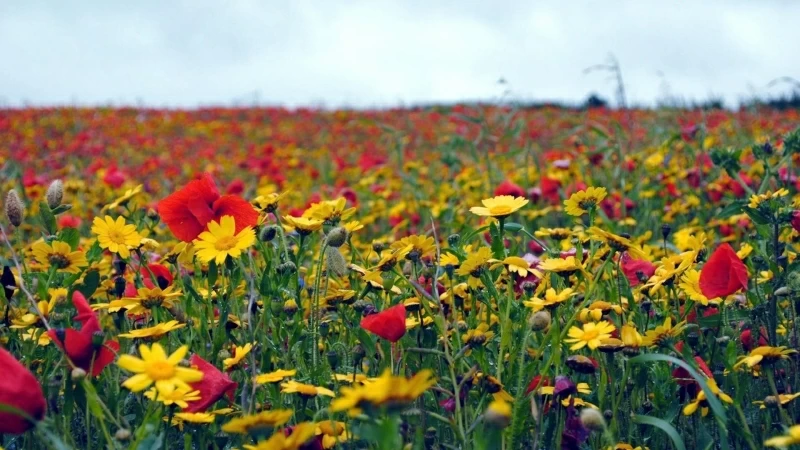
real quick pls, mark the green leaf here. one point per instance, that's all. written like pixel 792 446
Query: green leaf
pixel 71 236
pixel 95 251
pixel 263 285
pixel 60 209
pixel 212 274
pixel 47 218
pixel 665 427
pixel 498 249
pixel 90 283
pixel 735 207
pixel 713 401
pixel 152 442
pixel 93 400
pixel 366 340
pixel 513 227
pixel 757 216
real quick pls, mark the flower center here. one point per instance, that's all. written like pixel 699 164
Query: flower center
pixel 587 204
pixel 500 210
pixel 151 302
pixel 589 335
pixel 116 236
pixel 160 370
pixel 58 261
pixel 225 243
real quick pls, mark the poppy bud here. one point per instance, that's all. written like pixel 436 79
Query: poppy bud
pixel 771 401
pixel 324 329
pixel 119 286
pixel 78 374
pixel 123 434
pixel 15 209
pixel 592 419
pixel 378 247
pixel 336 263
pixel 267 234
pixel 152 214
pixel 528 287
pixel 337 237
pixel 430 437
pixel 453 240
pixel 55 193
pixel 665 230
pixel 358 353
pixel 540 321
pixel 286 268
pixel 333 359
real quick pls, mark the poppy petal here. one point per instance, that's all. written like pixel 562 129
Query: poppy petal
pixel 723 274
pixel 389 324
pixel 175 210
pixel 243 213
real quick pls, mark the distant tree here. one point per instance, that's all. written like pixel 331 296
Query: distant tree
pixel 595 101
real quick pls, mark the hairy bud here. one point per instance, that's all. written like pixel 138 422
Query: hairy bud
pixel 55 193
pixel 15 209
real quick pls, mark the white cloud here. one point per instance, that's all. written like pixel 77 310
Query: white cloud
pixel 381 53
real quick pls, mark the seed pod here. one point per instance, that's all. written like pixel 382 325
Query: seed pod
pixel 336 237
pixel 55 193
pixel 540 321
pixel 592 419
pixel 336 263
pixel 15 209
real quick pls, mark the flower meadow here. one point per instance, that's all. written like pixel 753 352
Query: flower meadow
pixel 465 277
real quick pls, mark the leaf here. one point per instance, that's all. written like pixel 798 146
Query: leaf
pixel 47 218
pixel 71 236
pixel 90 283
pixel 152 442
pixel 60 209
pixel 713 401
pixel 513 227
pixel 498 249
pixel 94 252
pixel 665 427
pixel 735 207
pixel 366 341
pixel 263 285
pixel 212 274
pixel 757 216
pixel 93 400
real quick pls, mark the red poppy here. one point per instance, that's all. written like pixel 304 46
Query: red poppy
pixel 508 187
pixel 682 376
pixel 632 267
pixel 723 274
pixel 214 385
pixel 21 390
pixel 537 382
pixel 85 348
pixel 389 324
pixel 188 211
pixel 747 339
pixel 163 277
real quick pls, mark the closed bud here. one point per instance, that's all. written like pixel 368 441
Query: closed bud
pixel 55 193
pixel 324 329
pixel 336 237
pixel 15 209
pixel 358 353
pixel 592 419
pixel 123 434
pixel 541 321
pixel 78 374
pixel 267 234
pixel 771 401
pixel 337 265
pixel 333 359
pixel 782 291
pixel 119 286
pixel 286 268
pixel 152 214
pixel 378 247
pixel 453 240
pixel 665 230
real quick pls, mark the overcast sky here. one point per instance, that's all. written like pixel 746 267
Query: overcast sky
pixel 376 53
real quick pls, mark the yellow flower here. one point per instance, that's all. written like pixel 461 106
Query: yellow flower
pixel 60 256
pixel 592 334
pixel 551 299
pixel 146 299
pixel 421 246
pixel 238 354
pixel 758 199
pixel 475 263
pixel 274 377
pixel 121 201
pixel 702 402
pixel 662 333
pixel 156 367
pixel 500 206
pixel 618 243
pixel 308 390
pixel 387 389
pixel 179 396
pixel 303 225
pixel 784 441
pixel 581 388
pixel 764 355
pixel 690 283
pixel 582 202
pixel 782 398
pixel 264 419
pixel 513 265
pixel 596 310
pixel 568 264
pixel 115 235
pixel 269 203
pixel 155 331
pixel 183 417
pixel 478 336
pixel 332 433
pixel 301 433
pixel 221 241
pixel 630 336
pixel 329 211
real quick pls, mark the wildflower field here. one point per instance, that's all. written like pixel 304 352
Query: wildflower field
pixel 465 277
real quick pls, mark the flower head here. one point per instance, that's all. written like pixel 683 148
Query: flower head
pixel 115 235
pixel 60 256
pixel 584 201
pixel 792 437
pixel 264 419
pixel 155 367
pixel 723 274
pixel 19 389
pixel 389 324
pixel 308 390
pixel 663 333
pixel 764 355
pixel 592 335
pixel 500 206
pixel 222 240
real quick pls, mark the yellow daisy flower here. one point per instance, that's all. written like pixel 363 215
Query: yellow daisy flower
pixel 582 202
pixel 264 419
pixel 238 354
pixel 154 332
pixel 221 241
pixel 592 334
pixel 500 206
pixel 59 255
pixel 156 367
pixel 115 235
pixel 274 377
pixel 308 390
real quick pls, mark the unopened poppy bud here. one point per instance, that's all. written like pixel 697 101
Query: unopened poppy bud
pixel 692 339
pixel 337 265
pixel 541 321
pixel 55 193
pixel 646 305
pixel 528 287
pixel 782 291
pixel 152 214
pixel 119 286
pixel 15 209
pixel 453 240
pixel 337 237
pixel 223 354
pixel 324 329
pixel 358 353
pixel 592 419
pixel 267 234
pixel 430 437
pixel 608 414
pixel 665 230
pixel 286 268
pixel 771 401
pixel 123 434
pixel 97 339
pixel 333 359
pixel 378 247
pixel 78 374
pixel 498 414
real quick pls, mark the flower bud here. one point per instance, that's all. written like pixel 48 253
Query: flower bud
pixel 290 307
pixel 453 240
pixel 333 359
pixel 123 434
pixel 15 209
pixel 358 353
pixel 286 268
pixel 336 237
pixel 55 193
pixel 268 233
pixel 336 263
pixel 78 374
pixel 581 364
pixel 592 419
pixel 540 321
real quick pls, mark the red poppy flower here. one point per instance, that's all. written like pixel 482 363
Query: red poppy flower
pixel 85 348
pixel 163 277
pixel 747 339
pixel 632 267
pixel 682 376
pixel 536 382
pixel 723 274
pixel 214 385
pixel 508 187
pixel 389 324
pixel 21 390
pixel 188 211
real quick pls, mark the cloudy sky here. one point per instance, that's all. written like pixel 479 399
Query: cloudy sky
pixel 374 53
